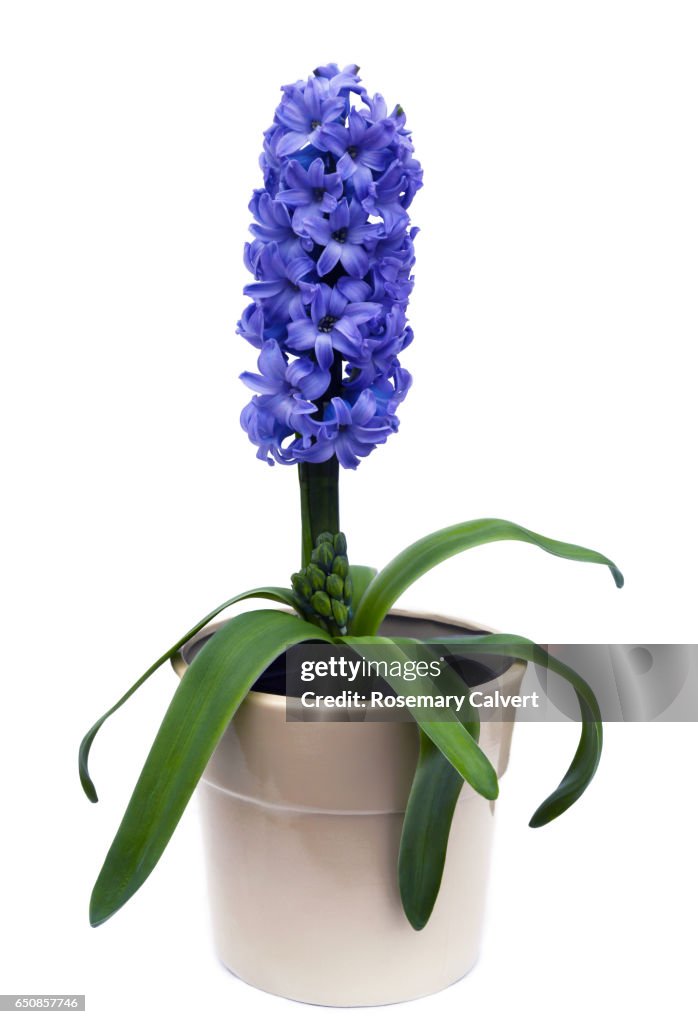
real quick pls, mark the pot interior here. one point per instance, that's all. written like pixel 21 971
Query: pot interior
pixel 475 671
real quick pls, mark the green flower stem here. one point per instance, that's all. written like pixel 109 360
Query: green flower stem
pixel 319 484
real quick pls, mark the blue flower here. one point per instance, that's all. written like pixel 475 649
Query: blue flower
pixel 306 112
pixel 384 197
pixel 332 324
pixel 332 258
pixel 284 404
pixel 279 283
pixel 383 343
pixel 273 224
pixel 310 190
pixel 251 325
pixel 263 430
pixel 355 430
pixel 341 82
pixel 344 235
pixel 361 147
pixel 391 390
pixel 393 259
pixel 286 389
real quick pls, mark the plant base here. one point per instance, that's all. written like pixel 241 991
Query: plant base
pixel 302 824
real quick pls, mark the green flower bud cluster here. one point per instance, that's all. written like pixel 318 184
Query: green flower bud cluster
pixel 323 588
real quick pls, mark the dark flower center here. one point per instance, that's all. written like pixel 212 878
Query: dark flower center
pixel 315 125
pixel 327 323
pixel 352 151
pixel 340 235
pixel 318 194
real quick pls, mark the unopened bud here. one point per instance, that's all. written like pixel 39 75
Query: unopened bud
pixel 348 590
pixel 321 604
pixel 334 585
pixel 339 612
pixel 301 584
pixel 323 555
pixel 340 566
pixel 316 577
pixel 339 542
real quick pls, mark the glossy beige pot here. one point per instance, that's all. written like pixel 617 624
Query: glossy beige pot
pixel 302 827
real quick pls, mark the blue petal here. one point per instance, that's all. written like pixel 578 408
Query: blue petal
pixel 329 258
pixel 354 259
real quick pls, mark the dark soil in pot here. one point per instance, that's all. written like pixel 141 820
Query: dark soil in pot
pixel 474 671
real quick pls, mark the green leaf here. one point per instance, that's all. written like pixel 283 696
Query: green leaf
pixel 360 576
pixel 432 802
pixel 447 732
pixel 206 699
pixel 424 840
pixel 436 786
pixel 419 558
pixel 280 594
pixel 588 754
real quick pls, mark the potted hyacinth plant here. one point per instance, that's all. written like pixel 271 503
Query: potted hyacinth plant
pixel 329 843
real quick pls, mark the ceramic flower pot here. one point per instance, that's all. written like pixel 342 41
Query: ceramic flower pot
pixel 302 824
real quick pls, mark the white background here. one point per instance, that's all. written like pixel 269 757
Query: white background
pixel 555 321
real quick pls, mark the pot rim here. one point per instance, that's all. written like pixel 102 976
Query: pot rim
pixel 278 700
